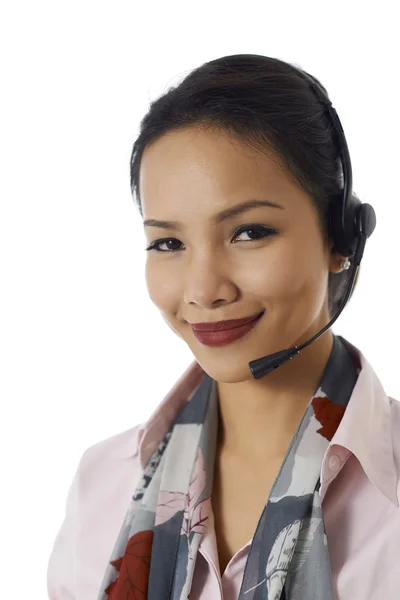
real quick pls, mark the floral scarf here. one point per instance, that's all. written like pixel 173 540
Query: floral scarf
pixel 155 554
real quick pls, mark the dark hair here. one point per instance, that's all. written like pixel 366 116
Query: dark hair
pixel 265 103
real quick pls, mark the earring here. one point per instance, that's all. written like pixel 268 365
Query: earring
pixel 346 265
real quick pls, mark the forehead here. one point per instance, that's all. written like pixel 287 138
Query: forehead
pixel 197 168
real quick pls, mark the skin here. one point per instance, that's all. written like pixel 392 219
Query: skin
pixel 189 176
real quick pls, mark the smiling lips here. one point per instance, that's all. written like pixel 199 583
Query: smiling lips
pixel 223 325
pixel 220 333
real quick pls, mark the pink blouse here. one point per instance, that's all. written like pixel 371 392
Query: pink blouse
pixel 360 496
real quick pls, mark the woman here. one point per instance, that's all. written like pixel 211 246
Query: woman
pixel 283 486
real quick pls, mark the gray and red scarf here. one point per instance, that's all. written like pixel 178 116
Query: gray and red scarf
pixel 155 554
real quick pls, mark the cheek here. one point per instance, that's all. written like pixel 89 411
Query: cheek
pixel 164 289
pixel 291 283
pixel 279 275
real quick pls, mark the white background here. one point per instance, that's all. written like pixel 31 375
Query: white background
pixel 79 334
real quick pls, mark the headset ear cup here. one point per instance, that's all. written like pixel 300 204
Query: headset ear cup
pixel 366 221
pixel 343 224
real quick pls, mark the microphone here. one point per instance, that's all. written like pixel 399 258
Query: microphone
pixel 262 366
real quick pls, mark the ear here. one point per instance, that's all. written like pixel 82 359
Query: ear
pixel 335 259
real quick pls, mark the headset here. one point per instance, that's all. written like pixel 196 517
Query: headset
pixel 351 222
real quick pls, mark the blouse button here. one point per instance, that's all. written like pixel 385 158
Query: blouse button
pixel 334 462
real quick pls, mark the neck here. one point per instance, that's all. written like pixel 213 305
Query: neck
pixel 258 418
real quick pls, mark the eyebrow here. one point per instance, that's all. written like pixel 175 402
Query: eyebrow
pixel 220 217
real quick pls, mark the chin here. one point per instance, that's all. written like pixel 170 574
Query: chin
pixel 226 371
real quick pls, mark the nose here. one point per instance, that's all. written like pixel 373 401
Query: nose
pixel 208 283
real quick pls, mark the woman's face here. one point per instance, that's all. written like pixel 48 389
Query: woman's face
pixel 210 272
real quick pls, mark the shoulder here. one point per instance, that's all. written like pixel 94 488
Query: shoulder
pixel 106 453
pixel 108 468
pixel 112 463
pixel 100 492
pixel 120 445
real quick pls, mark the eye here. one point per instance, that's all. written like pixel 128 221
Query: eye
pixel 259 231
pixel 156 245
